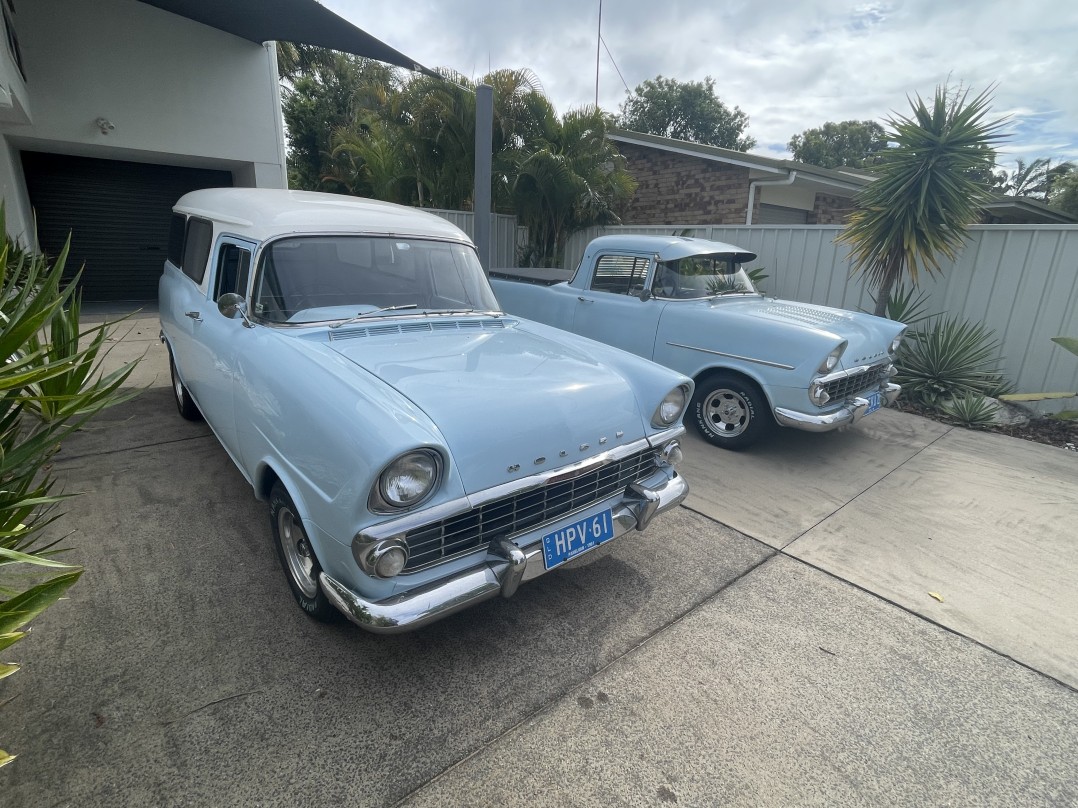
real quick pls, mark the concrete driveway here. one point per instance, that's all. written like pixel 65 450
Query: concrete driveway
pixel 773 642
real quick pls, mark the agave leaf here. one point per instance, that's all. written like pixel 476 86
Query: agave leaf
pixel 21 609
pixel 1070 343
pixel 1035 396
pixel 10 638
pixel 27 558
pixel 8 668
pixel 5 758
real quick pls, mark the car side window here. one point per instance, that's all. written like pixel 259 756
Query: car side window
pixel 621 274
pixel 196 248
pixel 233 270
pixel 176 233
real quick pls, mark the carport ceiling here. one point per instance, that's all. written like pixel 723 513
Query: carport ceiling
pixel 302 21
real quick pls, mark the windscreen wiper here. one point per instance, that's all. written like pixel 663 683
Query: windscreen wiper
pixel 373 312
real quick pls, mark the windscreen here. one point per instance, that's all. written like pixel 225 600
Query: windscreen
pixel 701 276
pixel 323 278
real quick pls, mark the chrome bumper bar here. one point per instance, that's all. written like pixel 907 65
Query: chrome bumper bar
pixel 417 608
pixel 850 414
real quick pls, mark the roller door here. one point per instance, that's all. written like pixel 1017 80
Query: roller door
pixel 117 214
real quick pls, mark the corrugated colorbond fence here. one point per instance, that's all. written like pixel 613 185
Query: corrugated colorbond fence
pixel 1021 281
pixel 505 235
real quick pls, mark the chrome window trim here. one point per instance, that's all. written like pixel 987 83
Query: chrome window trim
pixel 778 365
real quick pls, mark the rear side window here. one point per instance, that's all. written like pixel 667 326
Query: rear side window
pixel 621 274
pixel 196 248
pixel 176 233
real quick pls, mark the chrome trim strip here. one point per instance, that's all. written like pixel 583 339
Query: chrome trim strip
pixel 502 574
pixel 843 374
pixel 778 365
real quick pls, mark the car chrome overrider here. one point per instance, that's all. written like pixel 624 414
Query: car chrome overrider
pixel 506 567
pixel 778 365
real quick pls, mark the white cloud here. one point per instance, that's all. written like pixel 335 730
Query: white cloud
pixel 789 66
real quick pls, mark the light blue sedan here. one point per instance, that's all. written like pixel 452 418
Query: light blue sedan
pixel 420 450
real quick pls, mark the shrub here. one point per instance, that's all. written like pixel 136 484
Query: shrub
pixel 946 359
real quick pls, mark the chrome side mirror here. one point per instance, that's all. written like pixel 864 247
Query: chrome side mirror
pixel 232 305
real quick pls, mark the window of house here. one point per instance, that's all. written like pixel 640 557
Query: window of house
pixel 621 274
pixel 196 248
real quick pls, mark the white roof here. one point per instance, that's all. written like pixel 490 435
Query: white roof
pixel 668 248
pixel 259 213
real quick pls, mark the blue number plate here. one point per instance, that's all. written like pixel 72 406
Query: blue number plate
pixel 579 537
pixel 873 403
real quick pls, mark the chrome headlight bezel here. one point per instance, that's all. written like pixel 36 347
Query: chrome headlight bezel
pixel 382 498
pixel 830 362
pixel 671 408
pixel 896 343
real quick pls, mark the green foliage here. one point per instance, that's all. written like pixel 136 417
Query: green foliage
pixel 926 193
pixel 948 358
pixel 850 143
pixel 970 410
pixel 757 276
pixel 686 110
pixel 909 306
pixel 1064 194
pixel 48 388
pixel 1067 343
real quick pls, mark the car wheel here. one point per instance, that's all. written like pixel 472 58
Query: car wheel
pixel 730 411
pixel 297 557
pixel 184 403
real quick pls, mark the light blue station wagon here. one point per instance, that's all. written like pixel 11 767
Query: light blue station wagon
pixel 421 451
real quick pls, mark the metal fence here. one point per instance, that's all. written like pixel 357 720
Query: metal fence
pixel 506 237
pixel 1021 281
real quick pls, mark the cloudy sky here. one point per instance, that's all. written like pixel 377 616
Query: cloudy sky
pixel 789 65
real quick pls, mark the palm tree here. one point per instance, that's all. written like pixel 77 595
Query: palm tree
pixel 1028 179
pixel 926 191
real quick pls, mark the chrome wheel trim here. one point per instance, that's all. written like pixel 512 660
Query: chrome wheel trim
pixel 727 412
pixel 297 552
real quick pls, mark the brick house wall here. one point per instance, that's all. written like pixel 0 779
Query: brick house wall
pixel 681 189
pixel 831 209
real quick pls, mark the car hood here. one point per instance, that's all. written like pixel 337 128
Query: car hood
pixel 869 337
pixel 509 402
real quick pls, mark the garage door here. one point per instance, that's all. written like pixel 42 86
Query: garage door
pixel 117 214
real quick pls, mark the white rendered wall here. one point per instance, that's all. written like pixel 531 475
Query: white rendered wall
pixel 176 91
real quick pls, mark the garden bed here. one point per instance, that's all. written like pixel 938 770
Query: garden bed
pixel 1049 431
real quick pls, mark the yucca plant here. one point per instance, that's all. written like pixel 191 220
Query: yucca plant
pixel 48 389
pixel 907 305
pixel 926 191
pixel 970 410
pixel 950 357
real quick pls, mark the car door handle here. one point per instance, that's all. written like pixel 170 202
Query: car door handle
pixel 585 299
pixel 194 315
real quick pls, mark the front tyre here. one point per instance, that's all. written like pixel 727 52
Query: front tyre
pixel 730 411
pixel 297 557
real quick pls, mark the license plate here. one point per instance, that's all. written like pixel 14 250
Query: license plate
pixel 572 540
pixel 873 403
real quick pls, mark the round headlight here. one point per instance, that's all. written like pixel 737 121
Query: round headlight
pixel 390 562
pixel 832 359
pixel 896 342
pixel 409 479
pixel 670 408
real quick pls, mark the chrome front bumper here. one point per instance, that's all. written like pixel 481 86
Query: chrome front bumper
pixel 501 576
pixel 850 414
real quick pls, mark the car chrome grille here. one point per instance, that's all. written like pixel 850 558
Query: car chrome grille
pixel 856 382
pixel 514 514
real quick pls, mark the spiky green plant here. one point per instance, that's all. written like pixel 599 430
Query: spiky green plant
pixel 970 410
pixel 907 305
pixel 49 387
pixel 950 357
pixel 926 191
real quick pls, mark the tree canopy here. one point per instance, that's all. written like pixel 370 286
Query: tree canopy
pixel 686 110
pixel 358 127
pixel 857 144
